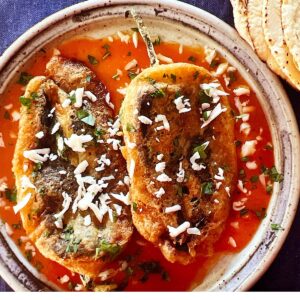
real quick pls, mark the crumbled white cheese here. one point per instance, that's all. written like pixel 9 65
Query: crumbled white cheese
pixel 193 230
pixel 132 64
pixel 181 173
pixel 103 161
pixel 121 197
pixel 135 39
pixel 160 156
pixel 232 242
pixel 163 178
pixel 40 134
pixel 64 279
pixel 2 145
pixel 182 105
pixel 162 118
pixel 115 143
pixel 122 91
pixel 241 187
pixel 131 168
pixel 62 172
pixel 160 167
pixel 37 155
pixel 196 166
pixel 87 221
pixel 78 97
pixel 173 208
pixel 66 103
pixel 248 148
pixel 66 204
pixel 175 231
pixel 159 193
pixel 118 209
pixel 251 165
pixel 221 69
pixel 241 91
pixel 26 183
pixel 210 54
pixel 53 157
pixel 144 120
pixel 90 96
pixel 22 203
pixel 123 37
pixel 245 128
pixel 15 116
pixel 108 101
pixel 220 175
pixel 214 114
pixel 164 58
pixel 75 142
pixel 81 167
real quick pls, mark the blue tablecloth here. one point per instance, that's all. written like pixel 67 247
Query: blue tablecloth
pixel 16 16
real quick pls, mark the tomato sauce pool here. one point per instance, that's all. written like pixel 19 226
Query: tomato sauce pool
pixel 147 269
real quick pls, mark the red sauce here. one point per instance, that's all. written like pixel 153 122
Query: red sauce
pixel 179 277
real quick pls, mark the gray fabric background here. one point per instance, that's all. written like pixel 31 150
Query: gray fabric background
pixel 16 16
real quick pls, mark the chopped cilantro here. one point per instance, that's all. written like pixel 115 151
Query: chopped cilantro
pixel 238 143
pixel 254 178
pixel 112 249
pixel 274 175
pixel 116 76
pixel 11 195
pixel 206 115
pixel 107 52
pixel 157 41
pixel 99 132
pixel 214 63
pixel 261 214
pixel 82 114
pixel 232 77
pixel 207 188
pixel 276 227
pixel 72 98
pixel 25 101
pixel 88 78
pixel 134 206
pixel 93 60
pixel 34 95
pixel 157 94
pixel 131 74
pixel 196 75
pixel 269 189
pixel 245 158
pixel 130 127
pixel 192 58
pixel 201 150
pixel 204 98
pixel 24 78
pixel 6 115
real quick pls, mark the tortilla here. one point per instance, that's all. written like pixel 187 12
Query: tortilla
pixel 275 39
pixel 240 19
pixel 256 32
pixel 290 16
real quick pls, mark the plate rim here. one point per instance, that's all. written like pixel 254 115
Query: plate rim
pixel 38 29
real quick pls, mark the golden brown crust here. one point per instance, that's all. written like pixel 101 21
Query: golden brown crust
pixel 176 145
pixel 76 246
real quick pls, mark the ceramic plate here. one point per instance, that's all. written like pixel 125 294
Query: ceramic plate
pixel 175 21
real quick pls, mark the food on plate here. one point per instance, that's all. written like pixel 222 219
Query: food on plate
pixel 181 158
pixel 199 154
pixel 271 29
pixel 71 179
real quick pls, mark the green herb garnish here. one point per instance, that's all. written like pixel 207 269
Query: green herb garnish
pixel 107 52
pixel 130 127
pixel 112 249
pixel 131 74
pixel 11 195
pixel 207 188
pixel 82 114
pixel 254 178
pixel 157 94
pixel 204 98
pixel 157 41
pixel 276 227
pixel 24 78
pixel 201 150
pixel 25 101
pixel 134 206
pixel 93 60
pixel 192 58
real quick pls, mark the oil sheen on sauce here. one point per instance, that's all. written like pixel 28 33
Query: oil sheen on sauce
pixel 141 255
